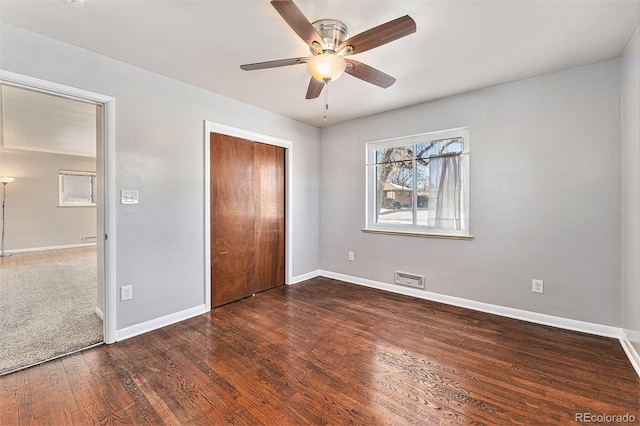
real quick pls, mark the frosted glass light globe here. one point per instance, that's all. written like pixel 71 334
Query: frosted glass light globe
pixel 327 66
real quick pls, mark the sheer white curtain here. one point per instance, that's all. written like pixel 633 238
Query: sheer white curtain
pixel 445 193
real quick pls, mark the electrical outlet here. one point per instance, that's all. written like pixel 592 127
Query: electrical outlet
pixel 126 292
pixel 351 256
pixel 537 286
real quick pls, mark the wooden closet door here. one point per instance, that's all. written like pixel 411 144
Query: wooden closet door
pixel 233 217
pixel 247 218
pixel 270 198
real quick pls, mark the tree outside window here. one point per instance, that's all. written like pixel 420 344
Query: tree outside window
pixel 420 183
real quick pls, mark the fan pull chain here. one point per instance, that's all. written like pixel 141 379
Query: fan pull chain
pixel 326 100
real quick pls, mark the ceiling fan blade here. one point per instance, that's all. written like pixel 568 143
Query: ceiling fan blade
pixel 314 89
pixel 297 21
pixel 369 74
pixel 377 36
pixel 274 64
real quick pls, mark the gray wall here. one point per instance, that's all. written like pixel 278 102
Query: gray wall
pixel 33 218
pixel 631 191
pixel 545 196
pixel 159 151
pixel 545 186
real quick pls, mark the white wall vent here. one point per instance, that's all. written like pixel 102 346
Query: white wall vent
pixel 409 280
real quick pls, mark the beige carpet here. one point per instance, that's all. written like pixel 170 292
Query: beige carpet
pixel 46 311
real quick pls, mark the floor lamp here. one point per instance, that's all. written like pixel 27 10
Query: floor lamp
pixel 4 181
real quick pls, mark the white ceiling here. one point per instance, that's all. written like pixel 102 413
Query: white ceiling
pixel 36 121
pixel 459 46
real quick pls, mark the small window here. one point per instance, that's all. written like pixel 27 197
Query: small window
pixel 76 188
pixel 419 184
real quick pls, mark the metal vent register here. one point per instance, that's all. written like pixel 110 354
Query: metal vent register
pixel 409 280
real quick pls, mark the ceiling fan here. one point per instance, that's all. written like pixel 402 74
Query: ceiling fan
pixel 329 43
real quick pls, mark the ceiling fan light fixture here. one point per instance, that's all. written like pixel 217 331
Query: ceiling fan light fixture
pixel 327 67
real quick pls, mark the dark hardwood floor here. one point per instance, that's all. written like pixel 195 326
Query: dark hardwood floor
pixel 327 352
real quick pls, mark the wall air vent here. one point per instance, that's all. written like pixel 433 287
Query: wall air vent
pixel 409 280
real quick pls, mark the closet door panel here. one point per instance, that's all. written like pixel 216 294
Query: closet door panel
pixel 270 216
pixel 233 216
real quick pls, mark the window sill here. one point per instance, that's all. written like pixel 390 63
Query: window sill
pixel 419 234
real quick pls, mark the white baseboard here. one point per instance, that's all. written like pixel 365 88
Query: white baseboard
pixel 135 330
pixel 99 313
pixel 299 278
pixel 630 350
pixel 534 317
pixel 68 246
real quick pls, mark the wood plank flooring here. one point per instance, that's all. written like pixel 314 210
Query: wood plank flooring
pixel 31 258
pixel 327 352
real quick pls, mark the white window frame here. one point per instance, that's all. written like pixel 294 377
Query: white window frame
pixel 61 174
pixel 407 229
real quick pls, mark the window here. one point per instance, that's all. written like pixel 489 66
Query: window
pixel 419 184
pixel 77 188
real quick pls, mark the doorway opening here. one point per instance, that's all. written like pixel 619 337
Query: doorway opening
pixel 56 143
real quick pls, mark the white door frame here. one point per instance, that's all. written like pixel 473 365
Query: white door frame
pixel 108 168
pixel 211 127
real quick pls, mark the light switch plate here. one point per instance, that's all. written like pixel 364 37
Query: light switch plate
pixel 129 196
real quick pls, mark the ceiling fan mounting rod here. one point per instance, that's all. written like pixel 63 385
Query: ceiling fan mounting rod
pixel 332 32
